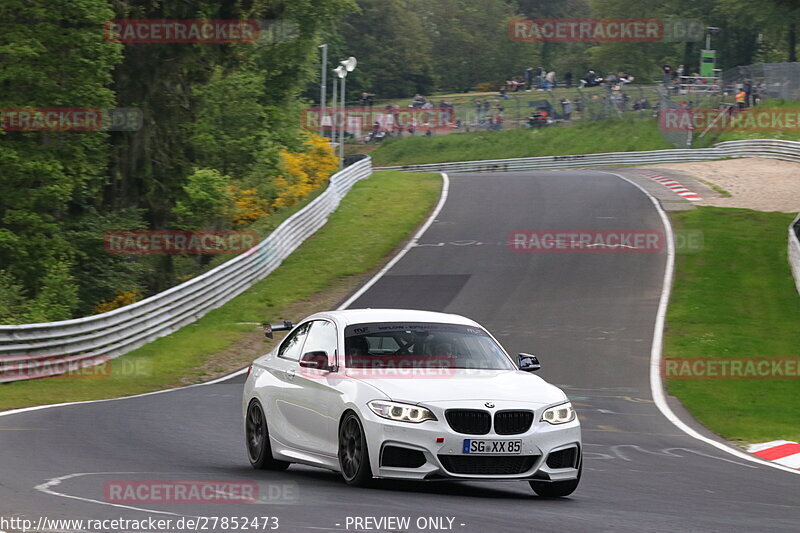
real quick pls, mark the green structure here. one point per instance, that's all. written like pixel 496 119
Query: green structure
pixel 708 63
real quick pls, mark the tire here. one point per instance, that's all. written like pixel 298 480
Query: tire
pixel 353 453
pixel 259 450
pixel 556 489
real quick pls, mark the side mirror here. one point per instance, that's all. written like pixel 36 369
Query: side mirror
pixel 315 360
pixel 528 362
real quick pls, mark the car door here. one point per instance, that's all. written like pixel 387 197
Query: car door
pixel 322 404
pixel 284 391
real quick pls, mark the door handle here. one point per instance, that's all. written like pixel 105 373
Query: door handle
pixel 290 374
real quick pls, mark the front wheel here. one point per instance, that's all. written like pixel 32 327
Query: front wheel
pixel 556 489
pixel 257 435
pixel 353 454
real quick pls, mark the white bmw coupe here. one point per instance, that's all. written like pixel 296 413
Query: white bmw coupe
pixel 402 394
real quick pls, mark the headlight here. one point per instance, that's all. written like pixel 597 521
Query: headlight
pixel 402 412
pixel 560 414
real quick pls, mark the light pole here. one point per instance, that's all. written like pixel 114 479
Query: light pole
pixel 339 72
pixel 348 65
pixel 323 87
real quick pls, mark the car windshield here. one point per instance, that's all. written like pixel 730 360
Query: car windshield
pixel 385 344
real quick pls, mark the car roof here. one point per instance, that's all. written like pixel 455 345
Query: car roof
pixel 347 317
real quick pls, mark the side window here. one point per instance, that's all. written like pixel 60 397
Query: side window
pixel 322 338
pixel 290 349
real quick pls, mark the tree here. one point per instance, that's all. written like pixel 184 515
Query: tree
pixel 393 49
pixel 54 55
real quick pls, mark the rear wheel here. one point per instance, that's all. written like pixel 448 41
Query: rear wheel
pixel 353 454
pixel 258 448
pixel 556 489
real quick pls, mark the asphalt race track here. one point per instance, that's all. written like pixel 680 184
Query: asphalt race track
pixel 588 316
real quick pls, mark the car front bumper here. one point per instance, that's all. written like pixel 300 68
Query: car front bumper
pixel 442 448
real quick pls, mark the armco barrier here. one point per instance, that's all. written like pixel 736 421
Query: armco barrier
pixel 794 250
pixel 30 350
pixel 38 350
pixel 771 148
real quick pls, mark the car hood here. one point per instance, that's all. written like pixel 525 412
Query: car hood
pixel 470 385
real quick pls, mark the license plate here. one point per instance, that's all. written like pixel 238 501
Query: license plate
pixel 492 447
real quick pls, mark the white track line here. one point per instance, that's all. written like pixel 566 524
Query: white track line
pixel 413 242
pixel 39 407
pixel 656 385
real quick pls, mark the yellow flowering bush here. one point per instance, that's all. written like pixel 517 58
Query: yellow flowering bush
pixel 304 172
pixel 248 206
pixel 121 299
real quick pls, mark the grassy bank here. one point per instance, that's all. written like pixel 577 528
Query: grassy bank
pixel 375 217
pixel 736 299
pixel 584 138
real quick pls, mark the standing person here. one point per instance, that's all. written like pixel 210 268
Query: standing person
pixel 568 79
pixel 427 106
pixel 486 107
pixel 566 108
pixel 741 99
pixel 528 78
pixel 748 91
pixel 550 78
pixel 539 77
pixel 667 69
pixel 478 108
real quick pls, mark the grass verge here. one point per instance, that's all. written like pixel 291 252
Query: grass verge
pixel 736 299
pixel 375 217
pixel 621 135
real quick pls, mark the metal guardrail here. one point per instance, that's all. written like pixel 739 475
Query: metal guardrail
pixel 30 351
pixel 769 148
pixel 794 250
pixel 38 350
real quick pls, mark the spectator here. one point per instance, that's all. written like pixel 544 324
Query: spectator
pixel 625 78
pixel 667 69
pixel 590 80
pixel 748 91
pixel 504 93
pixel 568 79
pixel 741 99
pixel 418 101
pixel 528 78
pixel 566 108
pixel 427 106
pixel 498 122
pixel 366 99
pixel 550 80
pixel 539 77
